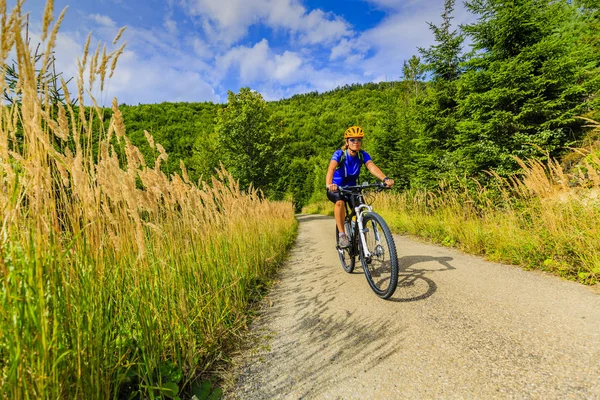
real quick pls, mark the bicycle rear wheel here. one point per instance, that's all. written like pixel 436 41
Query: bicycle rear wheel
pixel 381 266
pixel 347 255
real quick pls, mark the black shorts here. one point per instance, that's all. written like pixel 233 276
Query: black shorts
pixel 336 196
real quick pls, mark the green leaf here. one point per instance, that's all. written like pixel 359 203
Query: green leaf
pixel 217 394
pixel 202 390
pixel 170 390
pixel 170 372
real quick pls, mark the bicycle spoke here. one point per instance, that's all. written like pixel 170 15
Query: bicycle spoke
pixel 347 258
pixel 380 263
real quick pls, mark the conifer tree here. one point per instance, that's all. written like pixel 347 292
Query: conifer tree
pixel 443 58
pixel 437 109
pixel 520 92
pixel 414 72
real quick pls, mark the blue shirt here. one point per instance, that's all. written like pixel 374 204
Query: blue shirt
pixel 347 174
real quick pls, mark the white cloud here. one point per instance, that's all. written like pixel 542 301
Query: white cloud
pixel 227 21
pixel 150 70
pixel 351 50
pixel 398 4
pixel 140 81
pixel 321 81
pixel 286 65
pixel 328 79
pixel 103 20
pixel 398 37
pixel 200 47
pixel 272 93
pixel 163 46
pixel 170 25
pixel 318 28
pixel 259 64
pixel 66 50
pixel 311 49
pixel 341 50
pixel 251 61
pixel 283 13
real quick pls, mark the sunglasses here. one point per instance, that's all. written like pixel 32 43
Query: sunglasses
pixel 355 140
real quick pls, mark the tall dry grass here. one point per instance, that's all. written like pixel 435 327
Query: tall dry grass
pixel 546 218
pixel 115 279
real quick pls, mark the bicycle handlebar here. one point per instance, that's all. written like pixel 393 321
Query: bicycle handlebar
pixel 360 188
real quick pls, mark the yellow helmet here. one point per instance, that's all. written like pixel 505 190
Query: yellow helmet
pixel 354 132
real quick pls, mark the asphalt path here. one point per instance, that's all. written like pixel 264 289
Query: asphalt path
pixel 457 327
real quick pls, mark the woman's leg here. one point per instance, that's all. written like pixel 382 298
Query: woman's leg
pixel 339 212
pixel 339 209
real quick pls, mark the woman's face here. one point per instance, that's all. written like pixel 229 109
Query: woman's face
pixel 354 144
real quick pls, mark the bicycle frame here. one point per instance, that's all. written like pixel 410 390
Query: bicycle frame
pixel 358 211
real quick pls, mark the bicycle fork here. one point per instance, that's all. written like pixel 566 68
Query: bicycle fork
pixel 362 229
pixel 378 250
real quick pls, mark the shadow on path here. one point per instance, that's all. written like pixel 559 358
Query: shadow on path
pixel 413 284
pixel 331 336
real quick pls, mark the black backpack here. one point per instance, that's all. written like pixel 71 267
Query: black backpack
pixel 345 155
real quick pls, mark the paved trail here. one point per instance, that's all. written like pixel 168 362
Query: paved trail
pixel 457 327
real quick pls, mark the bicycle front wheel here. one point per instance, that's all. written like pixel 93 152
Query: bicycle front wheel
pixel 347 257
pixel 380 262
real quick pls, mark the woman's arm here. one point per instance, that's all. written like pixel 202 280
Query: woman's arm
pixel 374 169
pixel 329 177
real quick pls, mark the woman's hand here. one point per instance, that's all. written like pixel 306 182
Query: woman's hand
pixel 332 187
pixel 389 182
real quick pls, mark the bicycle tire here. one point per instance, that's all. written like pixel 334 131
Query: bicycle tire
pixel 381 269
pixel 347 255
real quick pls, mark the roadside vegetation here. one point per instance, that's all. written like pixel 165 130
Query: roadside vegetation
pixel 117 280
pixel 544 219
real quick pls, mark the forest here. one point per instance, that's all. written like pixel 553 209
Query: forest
pixel 456 112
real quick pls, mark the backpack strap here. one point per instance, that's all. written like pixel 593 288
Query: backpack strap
pixel 361 158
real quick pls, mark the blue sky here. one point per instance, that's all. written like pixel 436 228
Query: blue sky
pixel 197 50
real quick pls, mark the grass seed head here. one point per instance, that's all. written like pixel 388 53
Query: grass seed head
pixel 52 41
pixel 48 17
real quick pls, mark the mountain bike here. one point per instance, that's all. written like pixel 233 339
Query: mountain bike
pixel 370 239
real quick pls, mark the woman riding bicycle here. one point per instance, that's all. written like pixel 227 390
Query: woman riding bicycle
pixel 343 170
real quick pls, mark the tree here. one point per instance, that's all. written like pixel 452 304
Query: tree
pixel 414 72
pixel 520 91
pixel 438 108
pixel 583 28
pixel 443 58
pixel 245 135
